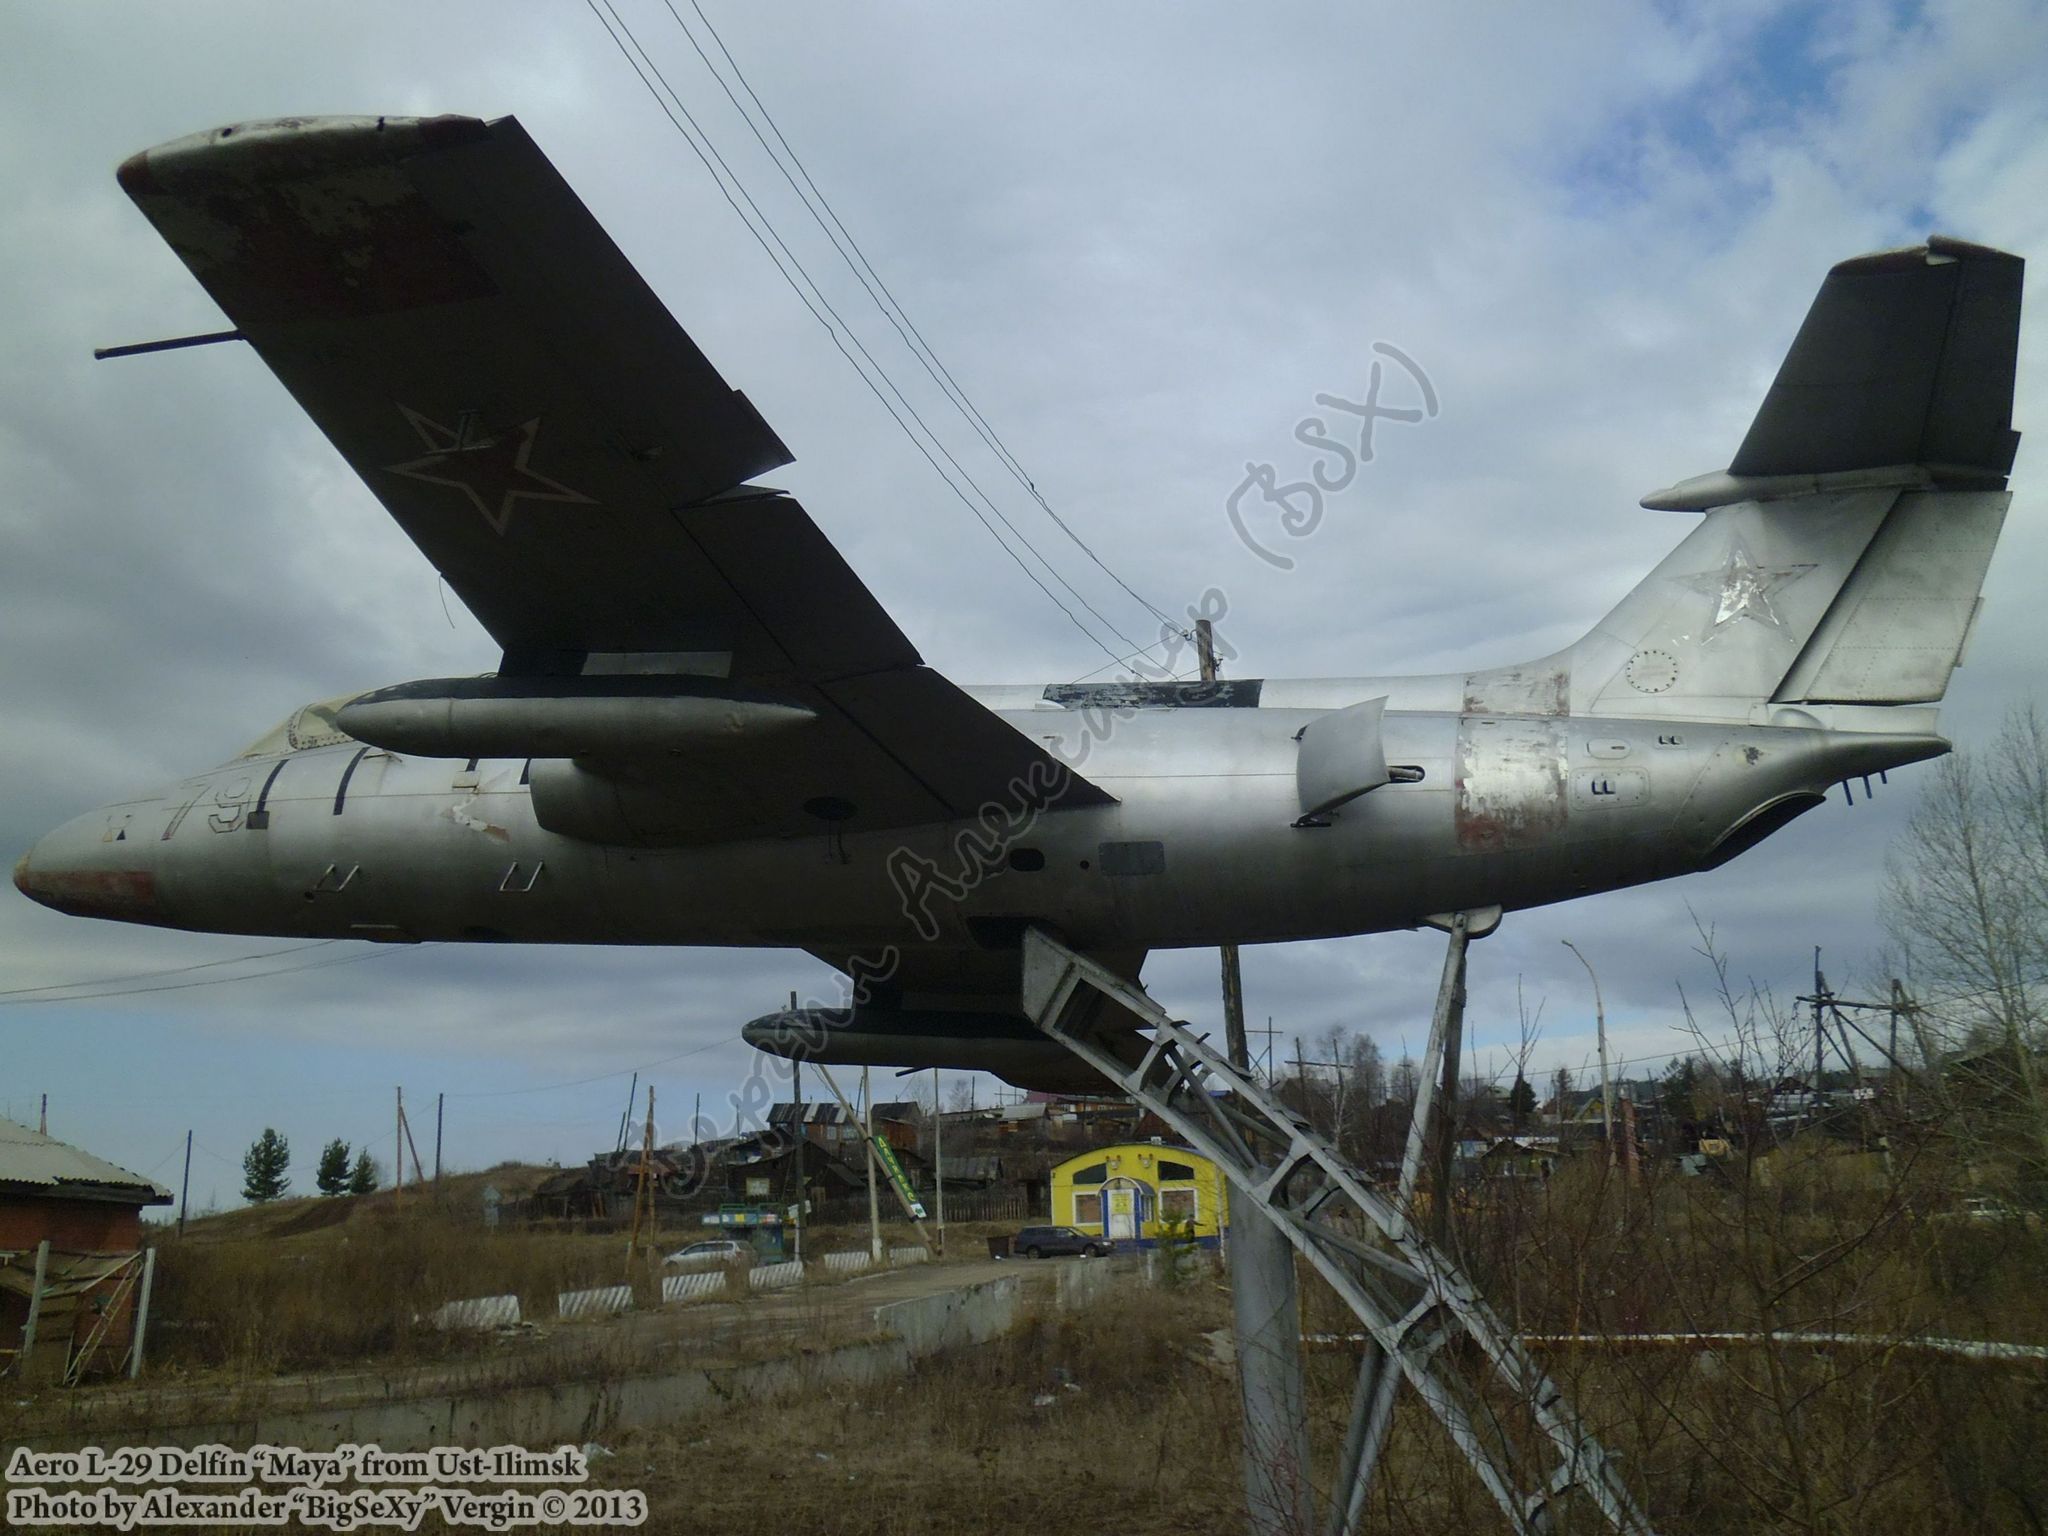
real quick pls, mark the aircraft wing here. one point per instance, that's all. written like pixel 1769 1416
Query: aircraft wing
pixel 448 312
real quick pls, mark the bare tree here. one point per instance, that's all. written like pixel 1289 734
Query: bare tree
pixel 1966 908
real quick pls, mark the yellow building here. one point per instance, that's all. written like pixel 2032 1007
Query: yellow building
pixel 1138 1192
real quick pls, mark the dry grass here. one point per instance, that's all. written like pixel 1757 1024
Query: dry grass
pixel 337 1293
pixel 311 1284
pixel 1141 1436
pixel 1136 1438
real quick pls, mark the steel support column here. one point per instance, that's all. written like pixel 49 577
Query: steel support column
pixel 1507 1418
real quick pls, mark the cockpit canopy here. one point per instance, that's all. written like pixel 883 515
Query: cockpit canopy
pixel 302 730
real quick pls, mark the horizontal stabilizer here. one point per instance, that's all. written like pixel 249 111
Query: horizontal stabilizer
pixel 1906 357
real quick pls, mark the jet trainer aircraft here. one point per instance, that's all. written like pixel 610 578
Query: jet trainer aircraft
pixel 704 729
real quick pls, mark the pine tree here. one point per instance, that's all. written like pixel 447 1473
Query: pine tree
pixel 362 1178
pixel 263 1167
pixel 331 1177
pixel 1521 1101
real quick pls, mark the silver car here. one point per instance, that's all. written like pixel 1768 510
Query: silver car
pixel 712 1253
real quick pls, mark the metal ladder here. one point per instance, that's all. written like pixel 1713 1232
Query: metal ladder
pixel 1427 1323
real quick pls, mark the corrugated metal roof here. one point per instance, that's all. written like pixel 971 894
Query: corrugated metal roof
pixel 30 1157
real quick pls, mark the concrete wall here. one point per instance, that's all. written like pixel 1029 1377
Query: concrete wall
pixel 573 1411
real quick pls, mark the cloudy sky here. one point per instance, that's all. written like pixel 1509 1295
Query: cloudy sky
pixel 1144 238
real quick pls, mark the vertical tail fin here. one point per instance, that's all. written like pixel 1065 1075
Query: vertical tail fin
pixel 1843 549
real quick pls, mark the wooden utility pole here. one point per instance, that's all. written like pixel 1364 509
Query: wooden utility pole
pixel 626 1114
pixel 803 1137
pixel 1606 1083
pixel 939 1156
pixel 439 1100
pixel 398 1150
pixel 867 1122
pixel 643 1193
pixel 1233 975
pixel 419 1174
pixel 185 1185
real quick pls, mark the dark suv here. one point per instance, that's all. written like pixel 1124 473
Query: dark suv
pixel 1045 1242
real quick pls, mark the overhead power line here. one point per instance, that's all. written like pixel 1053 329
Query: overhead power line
pixel 791 268
pixel 176 970
pixel 828 220
pixel 382 951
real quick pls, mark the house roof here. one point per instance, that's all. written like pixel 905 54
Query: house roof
pixel 35 1164
pixel 824 1112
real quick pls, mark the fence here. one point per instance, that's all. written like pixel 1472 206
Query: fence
pixel 602 1302
pixel 692 1287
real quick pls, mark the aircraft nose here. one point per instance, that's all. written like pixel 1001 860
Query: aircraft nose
pixel 74 870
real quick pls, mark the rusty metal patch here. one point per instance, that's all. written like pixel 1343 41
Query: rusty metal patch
pixel 1519 691
pixel 1511 783
pixel 91 892
pixel 354 241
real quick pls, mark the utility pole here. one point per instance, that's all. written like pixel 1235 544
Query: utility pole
pixel 1267 1034
pixel 939 1157
pixel 398 1151
pixel 626 1114
pixel 803 1147
pixel 419 1175
pixel 185 1185
pixel 643 1193
pixel 867 1111
pixel 1606 1082
pixel 439 1100
pixel 1264 1300
pixel 1233 976
pixel 1820 1037
pixel 43 1117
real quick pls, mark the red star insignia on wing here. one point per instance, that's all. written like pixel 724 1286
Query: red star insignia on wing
pixel 494 471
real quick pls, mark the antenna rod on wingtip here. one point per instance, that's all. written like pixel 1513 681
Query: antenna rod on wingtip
pixel 170 344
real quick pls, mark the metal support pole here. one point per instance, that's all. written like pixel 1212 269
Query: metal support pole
pixel 1446 1022
pixel 1372 1411
pixel 1446 1131
pixel 1267 1308
pixel 1265 1299
pixel 1372 1406
pixel 1470 1370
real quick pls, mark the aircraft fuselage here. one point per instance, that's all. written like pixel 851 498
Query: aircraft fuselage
pixel 1206 845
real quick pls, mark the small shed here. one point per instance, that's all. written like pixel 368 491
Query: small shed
pixel 71 1269
pixel 1134 1193
pixel 55 1192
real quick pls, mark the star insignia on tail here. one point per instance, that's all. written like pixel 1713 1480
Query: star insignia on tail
pixel 1743 589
